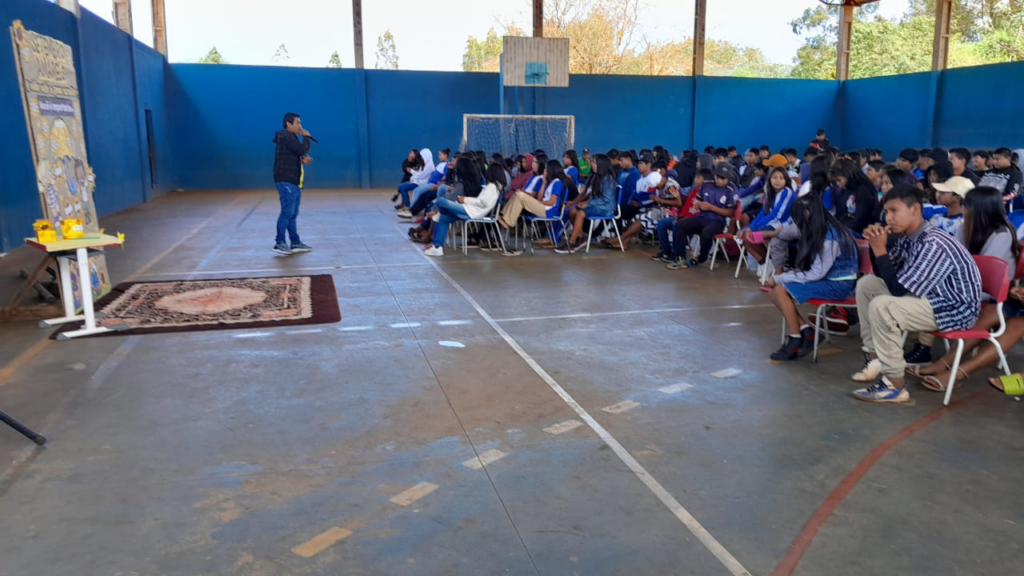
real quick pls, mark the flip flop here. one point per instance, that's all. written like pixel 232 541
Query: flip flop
pixel 935 385
pixel 1012 385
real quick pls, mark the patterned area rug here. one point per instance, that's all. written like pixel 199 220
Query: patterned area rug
pixel 189 305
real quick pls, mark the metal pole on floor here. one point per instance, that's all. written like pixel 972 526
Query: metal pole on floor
pixel 28 433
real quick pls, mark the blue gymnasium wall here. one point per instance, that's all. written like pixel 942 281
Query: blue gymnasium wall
pixel 888 112
pixel 981 107
pixel 111 69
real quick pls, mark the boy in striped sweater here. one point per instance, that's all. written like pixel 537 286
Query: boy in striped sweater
pixel 924 281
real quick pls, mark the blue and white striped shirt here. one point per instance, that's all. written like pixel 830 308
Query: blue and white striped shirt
pixel 932 265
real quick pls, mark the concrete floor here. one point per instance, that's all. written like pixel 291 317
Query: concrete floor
pixel 216 453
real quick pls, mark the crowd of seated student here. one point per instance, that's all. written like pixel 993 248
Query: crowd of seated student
pixel 923 217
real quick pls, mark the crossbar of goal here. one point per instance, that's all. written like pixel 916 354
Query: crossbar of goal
pixel 517 133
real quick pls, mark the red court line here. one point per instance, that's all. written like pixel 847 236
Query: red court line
pixel 796 550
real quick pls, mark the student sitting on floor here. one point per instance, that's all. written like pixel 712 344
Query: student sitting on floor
pixel 545 204
pixel 926 281
pixel 826 267
pixel 466 208
pixel 716 203
pixel 667 252
pixel 856 200
pixel 598 199
pixel 775 211
pixel 985 232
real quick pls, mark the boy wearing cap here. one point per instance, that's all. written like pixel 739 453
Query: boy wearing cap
pixel 717 202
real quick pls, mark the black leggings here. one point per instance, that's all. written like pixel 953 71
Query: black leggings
pixel 686 227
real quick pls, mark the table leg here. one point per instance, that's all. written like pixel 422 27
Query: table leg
pixel 85 284
pixel 67 295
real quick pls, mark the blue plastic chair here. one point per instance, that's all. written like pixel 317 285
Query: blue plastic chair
pixel 613 218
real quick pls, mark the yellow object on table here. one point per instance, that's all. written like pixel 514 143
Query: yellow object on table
pixel 45 231
pixel 72 229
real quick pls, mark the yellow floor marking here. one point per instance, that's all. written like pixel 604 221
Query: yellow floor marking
pixel 413 494
pixel 321 542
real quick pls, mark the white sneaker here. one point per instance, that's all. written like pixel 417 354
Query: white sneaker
pixel 434 251
pixel 871 371
pixel 404 214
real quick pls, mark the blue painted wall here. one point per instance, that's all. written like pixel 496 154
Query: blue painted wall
pixel 889 112
pixel 150 71
pixel 981 107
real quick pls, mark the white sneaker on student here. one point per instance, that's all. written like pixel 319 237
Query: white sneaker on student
pixel 434 251
pixel 404 214
pixel 871 371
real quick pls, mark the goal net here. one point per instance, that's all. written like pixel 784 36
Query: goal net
pixel 515 134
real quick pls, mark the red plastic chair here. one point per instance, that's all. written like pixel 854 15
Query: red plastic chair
pixel 996 283
pixel 820 326
pixel 1019 272
pixel 721 239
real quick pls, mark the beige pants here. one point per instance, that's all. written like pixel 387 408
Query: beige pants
pixel 522 201
pixel 884 318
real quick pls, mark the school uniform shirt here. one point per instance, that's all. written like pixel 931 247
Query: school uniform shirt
pixel 936 215
pixel 533 186
pixel 555 188
pixel 645 186
pixel 573 173
pixel 918 174
pixel 774 216
pixel 719 197
pixel 627 179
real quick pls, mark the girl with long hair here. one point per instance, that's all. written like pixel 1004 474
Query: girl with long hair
pixel 856 199
pixel 825 267
pixel 466 207
pixel 546 203
pixel 775 211
pixel 598 199
pixel 571 164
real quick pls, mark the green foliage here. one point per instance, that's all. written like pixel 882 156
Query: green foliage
pixel 387 52
pixel 281 55
pixel 212 57
pixel 334 61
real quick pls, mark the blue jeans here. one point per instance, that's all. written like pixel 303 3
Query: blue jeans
pixel 404 189
pixel 291 196
pixel 665 225
pixel 449 211
pixel 418 191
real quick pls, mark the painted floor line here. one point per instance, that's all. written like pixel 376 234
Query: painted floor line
pixel 682 514
pixel 486 458
pixel 355 328
pixel 413 494
pixel 727 373
pixel 405 325
pixel 306 331
pixel 451 344
pixel 629 312
pixel 675 388
pixel 620 407
pixel 563 427
pixel 285 270
pixel 321 542
pixel 454 322
pixel 253 335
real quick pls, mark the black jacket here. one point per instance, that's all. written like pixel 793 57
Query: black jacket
pixel 856 208
pixel 288 156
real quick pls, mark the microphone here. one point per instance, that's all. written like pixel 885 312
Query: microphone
pixel 312 139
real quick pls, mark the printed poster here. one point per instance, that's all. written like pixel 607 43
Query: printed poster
pixel 53 113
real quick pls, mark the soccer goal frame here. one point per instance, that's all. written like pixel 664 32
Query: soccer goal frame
pixel 569 120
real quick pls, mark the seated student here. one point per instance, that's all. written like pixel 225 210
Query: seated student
pixel 452 188
pixel 908 163
pixel 571 164
pixel 627 178
pixel 544 204
pixel 686 197
pixel 427 194
pixel 826 267
pixel 805 167
pixel 765 152
pixel 856 199
pixel 949 195
pixel 716 203
pixel 821 140
pixel 818 182
pixel 431 186
pixel 750 159
pixel 959 157
pixel 721 156
pixel 418 174
pixel 466 208
pixel 407 167
pixel 597 199
pixel 775 212
pixel 734 158
pixel 793 163
pixel 585 165
pixel 926 281
pixel 874 171
pixel 524 173
pixel 981 162
pixel 1004 177
pixel 752 197
pixel 643 201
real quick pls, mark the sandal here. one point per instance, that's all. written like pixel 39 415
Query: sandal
pixel 935 385
pixel 1012 385
pixel 915 369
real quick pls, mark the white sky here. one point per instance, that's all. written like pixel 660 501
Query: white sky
pixel 249 32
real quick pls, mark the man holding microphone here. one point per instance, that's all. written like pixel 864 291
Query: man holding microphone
pixel 289 157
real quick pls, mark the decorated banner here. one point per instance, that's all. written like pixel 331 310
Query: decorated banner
pixel 49 92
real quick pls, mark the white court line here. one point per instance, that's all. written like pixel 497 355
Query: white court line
pixel 727 373
pixel 684 516
pixel 627 312
pixel 355 328
pixel 563 427
pixel 287 270
pixel 620 407
pixel 454 322
pixel 675 388
pixel 451 344
pixel 254 335
pixel 733 324
pixel 405 325
pixel 413 494
pixel 476 463
pixel 306 331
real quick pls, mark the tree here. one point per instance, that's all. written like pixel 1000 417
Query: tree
pixel 280 55
pixel 387 52
pixel 334 61
pixel 212 57
pixel 604 38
